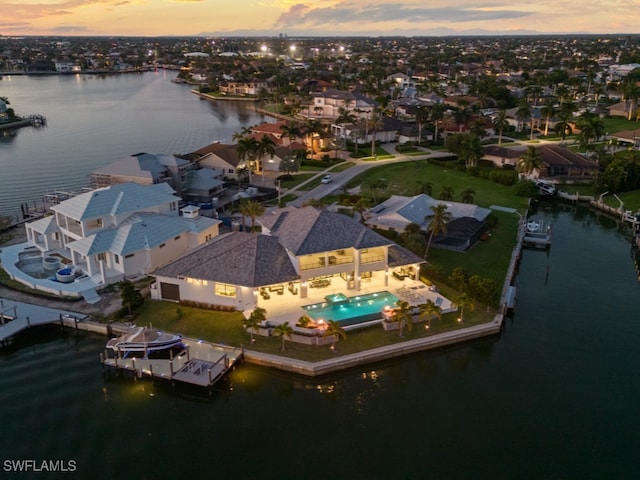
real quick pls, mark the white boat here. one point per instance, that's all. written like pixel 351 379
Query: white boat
pixel 146 341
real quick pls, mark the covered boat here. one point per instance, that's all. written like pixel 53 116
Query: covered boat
pixel 143 341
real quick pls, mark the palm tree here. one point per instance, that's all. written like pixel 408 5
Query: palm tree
pixel 591 128
pixel 523 113
pixel 254 320
pixel 345 117
pixel 529 161
pixel 548 110
pixel 470 150
pixel 375 123
pixel 436 115
pixel 500 122
pixel 464 301
pixel 424 187
pixel 402 314
pixel 266 146
pixel 251 209
pixel 336 331
pixel 565 115
pixel 447 193
pixel 290 131
pixel 437 223
pixel 428 310
pixel 468 195
pixel 283 330
pixel 313 127
pixel 422 115
pixel 247 148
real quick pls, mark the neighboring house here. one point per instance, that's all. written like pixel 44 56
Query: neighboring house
pixel 144 169
pixel 465 228
pixel 298 249
pixel 191 183
pixel 251 87
pixel 502 156
pixel 620 109
pixel 631 137
pixel 328 104
pixel 222 157
pixel 562 162
pixel 120 231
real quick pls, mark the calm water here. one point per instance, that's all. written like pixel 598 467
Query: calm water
pixel 95 120
pixel 554 397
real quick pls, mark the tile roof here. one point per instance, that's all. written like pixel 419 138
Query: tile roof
pixel 116 200
pixel 306 230
pixel 237 258
pixel 139 232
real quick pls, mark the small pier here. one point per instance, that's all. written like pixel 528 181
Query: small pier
pixel 537 234
pixel 17 316
pixel 201 363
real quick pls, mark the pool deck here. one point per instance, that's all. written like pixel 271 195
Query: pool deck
pixel 288 307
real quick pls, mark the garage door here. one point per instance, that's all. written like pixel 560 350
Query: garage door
pixel 170 291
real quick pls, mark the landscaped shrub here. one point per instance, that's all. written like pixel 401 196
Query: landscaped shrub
pixel 503 177
pixel 526 188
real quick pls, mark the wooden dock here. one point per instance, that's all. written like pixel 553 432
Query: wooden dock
pixel 201 364
pixel 18 316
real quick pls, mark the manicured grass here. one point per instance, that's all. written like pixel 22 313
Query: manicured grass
pixel 341 167
pixel 619 124
pixel 225 328
pixel 489 258
pixel 402 179
pixel 296 180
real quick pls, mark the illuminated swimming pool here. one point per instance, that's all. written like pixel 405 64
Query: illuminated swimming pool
pixel 352 310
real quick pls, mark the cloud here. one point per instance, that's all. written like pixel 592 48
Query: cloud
pixel 69 29
pixel 344 13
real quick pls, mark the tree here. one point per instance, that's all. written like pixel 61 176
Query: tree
pixel 468 195
pixel 131 296
pixel 523 113
pixel 437 223
pixel 428 310
pixel 247 149
pixel 336 331
pixel 436 115
pixel 376 124
pixel 254 320
pixel 422 115
pixel 413 238
pixel 530 161
pixel 548 110
pixel 447 193
pixel 463 301
pixel 283 330
pixel 467 146
pixel 345 117
pixel 402 314
pixel 591 128
pixel 565 114
pixel 424 187
pixel 288 166
pixel 290 131
pixel 266 146
pixel 251 209
pixel 459 277
pixel 500 123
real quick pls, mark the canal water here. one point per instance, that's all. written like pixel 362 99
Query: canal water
pixel 94 120
pixel 554 397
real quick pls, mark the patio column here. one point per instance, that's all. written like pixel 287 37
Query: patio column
pixel 303 288
pixel 356 271
pixel 386 276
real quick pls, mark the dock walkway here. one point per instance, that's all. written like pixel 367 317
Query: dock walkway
pixel 201 363
pixel 18 316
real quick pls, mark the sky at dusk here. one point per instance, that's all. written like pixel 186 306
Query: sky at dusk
pixel 315 18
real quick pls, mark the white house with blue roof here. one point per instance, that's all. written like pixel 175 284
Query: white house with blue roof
pixel 120 231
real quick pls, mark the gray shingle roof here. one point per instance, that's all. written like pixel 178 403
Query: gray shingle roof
pixel 306 230
pixel 400 256
pixel 237 258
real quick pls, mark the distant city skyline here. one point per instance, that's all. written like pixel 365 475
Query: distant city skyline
pixel 318 18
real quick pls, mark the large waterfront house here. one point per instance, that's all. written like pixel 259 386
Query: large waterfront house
pixel 299 249
pixel 192 182
pixel 466 227
pixel 120 231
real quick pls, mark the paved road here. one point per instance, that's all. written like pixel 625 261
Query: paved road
pixel 341 178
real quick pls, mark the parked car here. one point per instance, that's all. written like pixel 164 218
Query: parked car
pixel 326 179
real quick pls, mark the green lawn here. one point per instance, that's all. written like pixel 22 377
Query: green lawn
pixel 225 328
pixel 403 178
pixel 296 180
pixel 619 124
